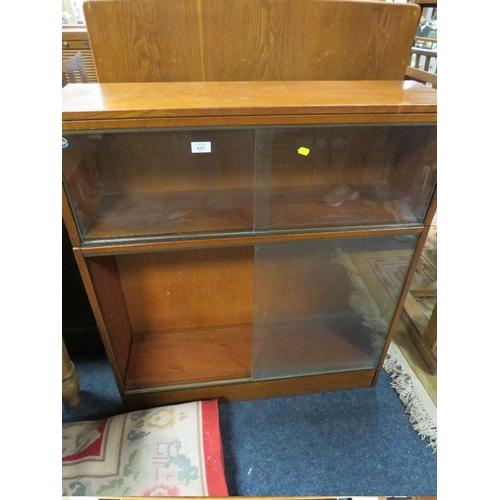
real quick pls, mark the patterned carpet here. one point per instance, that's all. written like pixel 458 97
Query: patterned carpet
pixel 426 272
pixel 389 269
pixel 414 385
pixel 384 273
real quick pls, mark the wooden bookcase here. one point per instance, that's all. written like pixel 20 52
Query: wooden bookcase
pixel 228 233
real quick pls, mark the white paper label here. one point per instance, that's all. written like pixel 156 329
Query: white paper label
pixel 201 147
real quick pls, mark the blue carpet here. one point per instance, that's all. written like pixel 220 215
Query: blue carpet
pixel 346 443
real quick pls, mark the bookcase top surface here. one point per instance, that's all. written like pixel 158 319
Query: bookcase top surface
pixel 115 101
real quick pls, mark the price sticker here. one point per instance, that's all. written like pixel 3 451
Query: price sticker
pixel 201 147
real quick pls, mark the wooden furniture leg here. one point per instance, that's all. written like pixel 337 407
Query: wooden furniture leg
pixel 422 331
pixel 70 380
pixel 430 332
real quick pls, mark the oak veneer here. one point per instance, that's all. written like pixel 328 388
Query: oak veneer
pixel 242 40
pixel 198 100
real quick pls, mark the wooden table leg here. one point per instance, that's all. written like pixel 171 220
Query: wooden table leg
pixel 70 380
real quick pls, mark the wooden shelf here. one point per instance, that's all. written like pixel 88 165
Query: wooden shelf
pixel 224 353
pixel 198 355
pixel 317 206
pixel 184 212
pixel 185 100
pixel 315 345
pixel 225 211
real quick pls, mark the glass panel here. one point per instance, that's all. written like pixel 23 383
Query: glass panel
pixel 140 184
pixel 325 305
pixel 184 182
pixel 339 176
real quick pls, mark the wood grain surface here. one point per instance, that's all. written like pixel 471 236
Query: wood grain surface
pixel 203 99
pixel 238 40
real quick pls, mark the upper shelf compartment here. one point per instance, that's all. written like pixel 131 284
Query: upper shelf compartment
pixel 344 176
pixel 143 184
pixel 163 163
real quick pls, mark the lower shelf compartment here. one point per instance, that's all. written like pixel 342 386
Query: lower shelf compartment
pixel 235 353
pixel 183 320
pixel 194 356
pixel 314 346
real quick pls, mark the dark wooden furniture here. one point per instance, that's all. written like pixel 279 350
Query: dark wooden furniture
pixel 75 39
pixel 229 233
pixel 73 70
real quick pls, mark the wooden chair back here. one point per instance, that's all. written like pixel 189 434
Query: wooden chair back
pixel 243 40
pixel 73 70
pixel 420 66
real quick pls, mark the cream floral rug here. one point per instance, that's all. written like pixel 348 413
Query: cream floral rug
pixel 167 451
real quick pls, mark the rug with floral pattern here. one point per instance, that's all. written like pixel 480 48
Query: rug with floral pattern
pixel 168 451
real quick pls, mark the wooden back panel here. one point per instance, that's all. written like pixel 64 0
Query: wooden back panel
pixel 171 291
pixel 243 40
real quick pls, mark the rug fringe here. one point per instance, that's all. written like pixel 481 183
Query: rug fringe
pixel 401 381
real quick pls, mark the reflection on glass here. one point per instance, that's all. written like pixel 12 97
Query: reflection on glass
pixel 160 183
pixel 335 176
pixel 325 305
pixel 215 181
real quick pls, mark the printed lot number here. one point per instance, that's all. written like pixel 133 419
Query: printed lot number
pixel 201 147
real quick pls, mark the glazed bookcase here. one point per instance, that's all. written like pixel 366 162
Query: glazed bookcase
pixel 231 236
